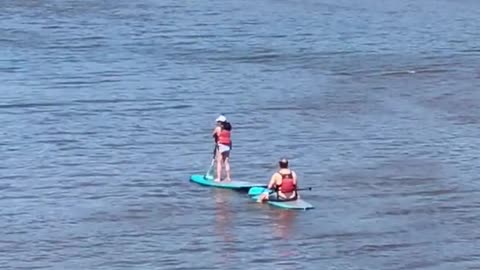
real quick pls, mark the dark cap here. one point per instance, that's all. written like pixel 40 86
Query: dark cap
pixel 283 162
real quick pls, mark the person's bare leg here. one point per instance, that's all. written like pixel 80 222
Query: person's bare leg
pixel 219 168
pixel 227 169
pixel 262 197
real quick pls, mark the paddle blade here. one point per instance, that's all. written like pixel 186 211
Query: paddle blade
pixel 254 191
pixel 209 173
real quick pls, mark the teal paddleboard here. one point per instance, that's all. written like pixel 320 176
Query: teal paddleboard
pixel 298 204
pixel 234 184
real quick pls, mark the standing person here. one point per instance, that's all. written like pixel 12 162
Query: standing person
pixel 284 182
pixel 223 141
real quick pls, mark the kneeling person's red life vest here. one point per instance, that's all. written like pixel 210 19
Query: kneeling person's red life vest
pixel 287 185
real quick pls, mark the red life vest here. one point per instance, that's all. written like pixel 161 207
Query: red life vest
pixel 287 185
pixel 224 137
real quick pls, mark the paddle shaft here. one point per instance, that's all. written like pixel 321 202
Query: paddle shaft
pixel 213 160
pixel 298 189
pixel 309 188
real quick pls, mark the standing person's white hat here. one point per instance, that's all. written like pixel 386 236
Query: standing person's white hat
pixel 221 118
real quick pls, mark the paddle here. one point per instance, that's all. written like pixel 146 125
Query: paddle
pixel 207 174
pixel 254 191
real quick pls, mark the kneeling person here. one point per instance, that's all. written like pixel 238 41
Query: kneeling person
pixel 284 182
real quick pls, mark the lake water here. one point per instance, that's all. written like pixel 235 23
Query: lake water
pixel 107 109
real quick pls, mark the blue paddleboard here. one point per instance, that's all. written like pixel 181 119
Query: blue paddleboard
pixel 298 204
pixel 234 184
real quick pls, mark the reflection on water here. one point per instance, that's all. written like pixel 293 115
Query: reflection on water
pixel 284 229
pixel 283 223
pixel 223 225
pixel 223 215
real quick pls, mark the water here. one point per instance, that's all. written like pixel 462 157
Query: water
pixel 107 107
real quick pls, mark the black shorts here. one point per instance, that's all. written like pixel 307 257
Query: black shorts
pixel 277 198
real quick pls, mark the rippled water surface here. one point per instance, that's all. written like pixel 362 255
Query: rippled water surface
pixel 107 108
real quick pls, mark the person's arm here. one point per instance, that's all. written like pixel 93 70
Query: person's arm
pixel 295 183
pixel 215 133
pixel 272 181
